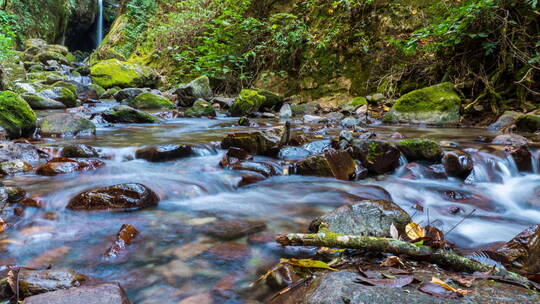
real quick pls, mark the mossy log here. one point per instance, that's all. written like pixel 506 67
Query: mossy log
pixel 444 258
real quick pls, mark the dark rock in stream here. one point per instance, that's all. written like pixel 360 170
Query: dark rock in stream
pixel 266 169
pixel 378 157
pixel 128 94
pixel 65 165
pixel 293 153
pixel 522 157
pixel 523 251
pixel 458 163
pixel 367 217
pixel 121 197
pixel 32 282
pixel 420 149
pixel 64 124
pixel 79 150
pixel 108 293
pixel 127 114
pixel 337 164
pixel 198 88
pixel 14 166
pixel 510 139
pixel 164 152
pixel 255 142
pixel 233 229
pixel 124 237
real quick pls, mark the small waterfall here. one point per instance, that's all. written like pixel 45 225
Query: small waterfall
pixel 99 28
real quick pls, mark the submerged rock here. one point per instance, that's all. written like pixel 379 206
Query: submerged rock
pixel 126 114
pixel 108 293
pixel 457 163
pixel 79 150
pixel 420 149
pixel 66 165
pixel 378 157
pixel 16 116
pixel 121 197
pixel 64 124
pixel 197 89
pixel 115 73
pixel 164 152
pixel 337 164
pixel 32 282
pixel 438 105
pixel 233 229
pixel 149 100
pixel 367 217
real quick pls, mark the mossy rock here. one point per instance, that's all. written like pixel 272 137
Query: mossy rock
pixel 109 93
pixel 354 104
pixel 67 85
pixel 201 108
pixel 38 102
pixel 97 88
pixel 420 149
pixel 248 101
pixel 67 97
pixel 151 101
pixel 199 88
pixel 63 124
pixel 45 56
pixel 437 105
pixel 35 42
pixel 56 48
pixel 115 73
pixel 46 77
pixel 36 68
pixel 125 114
pixel 273 101
pixel 16 116
pixel 528 123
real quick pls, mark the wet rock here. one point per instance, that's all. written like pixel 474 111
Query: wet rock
pixel 360 171
pixel 115 73
pixel 108 293
pixel 149 100
pixel 64 124
pixel 15 194
pixel 523 251
pixel 420 149
pixel 504 121
pixel 79 150
pixel 18 151
pixel 63 95
pixel 16 116
pixel 233 156
pixel 164 152
pixel 314 119
pixel 38 102
pixel 31 202
pixel 285 111
pixel 522 157
pixel 223 102
pixel 64 165
pixel 510 139
pixel 250 178
pixel 255 142
pixel 266 169
pixel 293 153
pixel 351 123
pixel 127 94
pixel 201 108
pixel 528 123
pixel 188 93
pixel 457 163
pixel 32 282
pixel 273 100
pixel 126 114
pixel 14 166
pixel 317 147
pixel 378 157
pixel 367 217
pixel 337 164
pixel 233 229
pixel 118 197
pixel 123 239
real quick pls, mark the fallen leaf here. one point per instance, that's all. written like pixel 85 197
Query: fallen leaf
pixel 306 263
pixel 394 232
pixel 392 261
pixel 444 285
pixel 414 231
pixel 438 291
pixel 463 281
pixel 2 225
pixel 391 283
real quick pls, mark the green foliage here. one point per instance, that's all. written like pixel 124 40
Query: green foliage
pixel 8 34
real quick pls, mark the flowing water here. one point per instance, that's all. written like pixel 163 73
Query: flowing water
pixel 164 265
pixel 99 27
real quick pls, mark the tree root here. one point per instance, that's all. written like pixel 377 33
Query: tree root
pixel 441 257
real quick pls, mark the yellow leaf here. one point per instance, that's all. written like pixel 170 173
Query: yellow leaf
pixel 306 263
pixel 414 12
pixel 2 225
pixel 386 108
pixel 443 284
pixel 414 231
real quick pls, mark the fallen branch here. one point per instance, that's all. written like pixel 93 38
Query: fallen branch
pixel 441 257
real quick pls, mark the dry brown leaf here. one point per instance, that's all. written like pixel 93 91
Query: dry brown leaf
pixel 2 225
pixel 392 261
pixel 414 231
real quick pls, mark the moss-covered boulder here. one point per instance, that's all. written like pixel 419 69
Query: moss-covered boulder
pixel 97 88
pixel 56 48
pixel 66 84
pixel 151 101
pixel 336 164
pixel 115 73
pixel 273 101
pixel 199 88
pixel 16 116
pixel 420 149
pixel 125 114
pixel 201 108
pixel 528 123
pixel 248 101
pixel 378 157
pixel 63 124
pixel 435 105
pixel 38 102
pixel 63 95
pixel 45 56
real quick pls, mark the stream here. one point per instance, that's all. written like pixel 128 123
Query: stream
pixel 172 258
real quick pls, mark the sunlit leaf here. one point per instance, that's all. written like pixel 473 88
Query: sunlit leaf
pixel 394 232
pixel 392 261
pixel 2 225
pixel 414 231
pixel 306 263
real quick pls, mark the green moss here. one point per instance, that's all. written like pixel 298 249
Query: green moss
pixel 125 114
pixel 201 108
pixel 273 100
pixel 16 116
pixel 68 98
pixel 43 57
pixel 113 72
pixel 441 97
pixel 373 151
pixel 150 101
pixel 357 102
pixel 67 85
pixel 528 123
pixel 420 149
pixel 96 87
pixel 248 101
